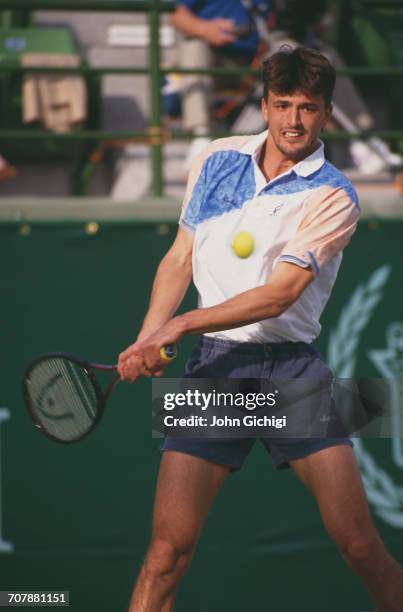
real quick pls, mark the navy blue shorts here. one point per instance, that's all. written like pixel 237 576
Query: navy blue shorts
pixel 216 358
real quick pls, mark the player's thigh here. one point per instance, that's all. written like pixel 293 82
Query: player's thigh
pixel 186 488
pixel 333 477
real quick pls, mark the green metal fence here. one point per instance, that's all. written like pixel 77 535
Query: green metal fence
pixel 18 12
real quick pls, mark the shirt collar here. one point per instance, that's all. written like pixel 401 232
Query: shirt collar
pixel 304 168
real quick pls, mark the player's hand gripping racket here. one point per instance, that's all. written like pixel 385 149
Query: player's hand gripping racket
pixel 63 396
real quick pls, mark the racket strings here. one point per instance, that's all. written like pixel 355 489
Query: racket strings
pixel 62 397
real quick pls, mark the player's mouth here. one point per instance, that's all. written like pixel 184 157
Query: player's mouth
pixel 293 135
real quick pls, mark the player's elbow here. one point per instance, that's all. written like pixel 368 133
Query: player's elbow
pixel 281 300
pixel 183 261
pixel 286 285
pixel 178 260
pixel 281 304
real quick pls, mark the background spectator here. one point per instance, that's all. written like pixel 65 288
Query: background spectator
pixel 308 24
pixel 212 33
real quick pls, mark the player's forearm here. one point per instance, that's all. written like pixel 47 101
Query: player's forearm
pixel 248 307
pixel 188 23
pixel 169 288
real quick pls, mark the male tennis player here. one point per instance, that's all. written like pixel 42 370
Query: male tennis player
pixel 259 317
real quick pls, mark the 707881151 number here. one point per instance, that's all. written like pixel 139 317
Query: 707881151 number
pixel 41 598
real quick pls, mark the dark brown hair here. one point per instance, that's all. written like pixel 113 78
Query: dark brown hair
pixel 300 69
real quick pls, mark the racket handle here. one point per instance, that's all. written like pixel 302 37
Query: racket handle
pixel 168 352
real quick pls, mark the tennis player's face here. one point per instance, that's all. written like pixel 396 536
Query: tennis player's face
pixel 294 122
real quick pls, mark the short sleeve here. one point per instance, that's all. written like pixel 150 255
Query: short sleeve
pixel 194 194
pixel 329 220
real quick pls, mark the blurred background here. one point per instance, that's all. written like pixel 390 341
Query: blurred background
pixel 103 106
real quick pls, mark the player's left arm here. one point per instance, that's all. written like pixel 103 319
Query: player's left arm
pixel 285 285
pixel 329 221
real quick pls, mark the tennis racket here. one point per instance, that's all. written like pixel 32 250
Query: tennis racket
pixel 64 397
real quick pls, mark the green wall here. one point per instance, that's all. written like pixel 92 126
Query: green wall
pixel 78 517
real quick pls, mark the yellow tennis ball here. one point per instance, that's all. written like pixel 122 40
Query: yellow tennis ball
pixel 243 244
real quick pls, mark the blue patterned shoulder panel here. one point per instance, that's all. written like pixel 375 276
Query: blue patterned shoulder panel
pixel 226 182
pixel 327 174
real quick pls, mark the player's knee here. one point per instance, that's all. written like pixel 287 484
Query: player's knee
pixel 361 551
pixel 167 560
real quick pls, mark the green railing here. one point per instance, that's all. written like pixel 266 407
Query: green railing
pixel 155 135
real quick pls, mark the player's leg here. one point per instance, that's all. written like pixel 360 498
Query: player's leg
pixel 186 488
pixel 191 473
pixel 333 477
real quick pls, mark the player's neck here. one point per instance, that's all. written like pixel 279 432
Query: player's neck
pixel 273 165
pixel 273 162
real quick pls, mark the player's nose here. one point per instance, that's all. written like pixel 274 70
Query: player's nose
pixel 294 117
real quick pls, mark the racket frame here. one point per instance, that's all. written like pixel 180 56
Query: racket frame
pixel 87 367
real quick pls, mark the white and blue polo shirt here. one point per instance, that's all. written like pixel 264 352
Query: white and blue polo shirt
pixel 305 216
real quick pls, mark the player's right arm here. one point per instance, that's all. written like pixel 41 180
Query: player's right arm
pixel 170 284
pixel 175 270
pixel 171 281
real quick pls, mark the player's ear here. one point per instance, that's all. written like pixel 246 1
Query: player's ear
pixel 328 114
pixel 264 109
